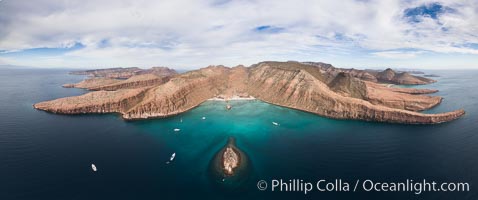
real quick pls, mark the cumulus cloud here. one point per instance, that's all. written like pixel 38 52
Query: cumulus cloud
pixel 195 33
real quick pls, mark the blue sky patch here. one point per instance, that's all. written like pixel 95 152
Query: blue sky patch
pixel 104 43
pixel 470 45
pixel 268 29
pixel 220 2
pixel 342 37
pixel 44 51
pixel 433 10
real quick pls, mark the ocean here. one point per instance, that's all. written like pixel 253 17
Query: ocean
pixel 49 156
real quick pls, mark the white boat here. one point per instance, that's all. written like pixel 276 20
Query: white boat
pixel 275 123
pixel 203 118
pixel 93 167
pixel 176 129
pixel 172 157
pixel 181 120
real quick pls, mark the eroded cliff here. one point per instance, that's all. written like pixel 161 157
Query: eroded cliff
pixel 291 84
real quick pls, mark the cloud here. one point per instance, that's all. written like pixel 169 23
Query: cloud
pixel 398 54
pixel 196 33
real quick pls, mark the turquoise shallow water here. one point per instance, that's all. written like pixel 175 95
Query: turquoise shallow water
pixel 48 156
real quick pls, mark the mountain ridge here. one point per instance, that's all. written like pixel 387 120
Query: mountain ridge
pixel 295 85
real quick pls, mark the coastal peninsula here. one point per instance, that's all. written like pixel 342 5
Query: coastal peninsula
pixel 312 87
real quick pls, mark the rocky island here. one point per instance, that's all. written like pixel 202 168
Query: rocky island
pixel 230 165
pixel 308 86
pixel 229 159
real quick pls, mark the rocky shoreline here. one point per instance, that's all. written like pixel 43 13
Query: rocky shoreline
pixel 302 86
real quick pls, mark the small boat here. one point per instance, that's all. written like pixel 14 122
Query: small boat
pixel 181 120
pixel 275 123
pixel 203 118
pixel 176 129
pixel 93 167
pixel 172 157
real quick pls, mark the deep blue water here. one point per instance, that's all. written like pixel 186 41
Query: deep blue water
pixel 48 156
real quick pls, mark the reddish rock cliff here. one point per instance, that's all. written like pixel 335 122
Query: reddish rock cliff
pixel 291 84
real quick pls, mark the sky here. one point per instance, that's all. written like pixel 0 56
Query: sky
pixel 189 34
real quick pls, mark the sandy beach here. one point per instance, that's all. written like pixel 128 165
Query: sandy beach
pixel 233 98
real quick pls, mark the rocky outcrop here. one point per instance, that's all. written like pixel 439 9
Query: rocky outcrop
pixel 300 90
pixel 403 78
pixel 136 81
pixel 289 84
pixel 411 90
pixel 136 78
pixel 159 71
pixel 180 94
pixel 118 72
pixel 93 83
pixel 386 76
pixel 400 98
pixel 330 72
pixel 347 85
pixel 124 73
pixel 95 102
pixel 230 160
